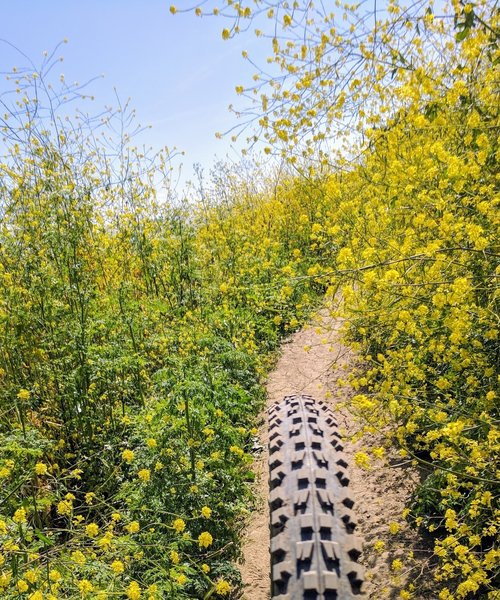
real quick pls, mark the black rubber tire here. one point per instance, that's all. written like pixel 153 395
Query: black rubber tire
pixel 314 550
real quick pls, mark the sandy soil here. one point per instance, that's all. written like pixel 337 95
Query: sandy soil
pixel 312 362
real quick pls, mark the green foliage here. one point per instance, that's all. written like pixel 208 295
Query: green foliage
pixel 134 337
pixel 135 334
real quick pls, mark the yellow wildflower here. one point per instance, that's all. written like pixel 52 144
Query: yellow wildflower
pixel 31 575
pixel 133 591
pixel 78 557
pixel 106 541
pixel 54 575
pixel 5 579
pixel 152 589
pixel 222 587
pixel 128 456
pixel 394 528
pixel 179 525
pixel 85 587
pixel 133 527
pixel 362 460
pixel 205 539
pixel 397 564
pixel 41 468
pixel 92 529
pixel 144 475
pixel 19 516
pixel 117 567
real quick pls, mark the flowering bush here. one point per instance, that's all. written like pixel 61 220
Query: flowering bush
pixel 135 333
pixel 134 340
pixel 420 264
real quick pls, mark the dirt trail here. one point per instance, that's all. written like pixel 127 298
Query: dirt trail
pixel 312 362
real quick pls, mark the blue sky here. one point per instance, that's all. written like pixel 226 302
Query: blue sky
pixel 177 70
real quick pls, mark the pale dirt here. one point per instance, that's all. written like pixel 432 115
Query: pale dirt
pixel 312 361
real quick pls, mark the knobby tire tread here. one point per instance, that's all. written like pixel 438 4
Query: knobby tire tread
pixel 314 550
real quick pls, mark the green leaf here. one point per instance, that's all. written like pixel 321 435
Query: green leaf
pixel 461 35
pixel 469 19
pixel 41 536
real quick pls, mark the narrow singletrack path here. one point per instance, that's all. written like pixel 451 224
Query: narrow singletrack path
pixel 312 362
pixel 303 368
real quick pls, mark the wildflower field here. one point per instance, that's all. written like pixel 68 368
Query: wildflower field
pixel 136 331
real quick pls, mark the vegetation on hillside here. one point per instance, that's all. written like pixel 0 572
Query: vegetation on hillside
pixel 134 337
pixel 392 112
pixel 135 331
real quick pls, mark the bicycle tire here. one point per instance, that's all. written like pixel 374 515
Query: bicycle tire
pixel 314 550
